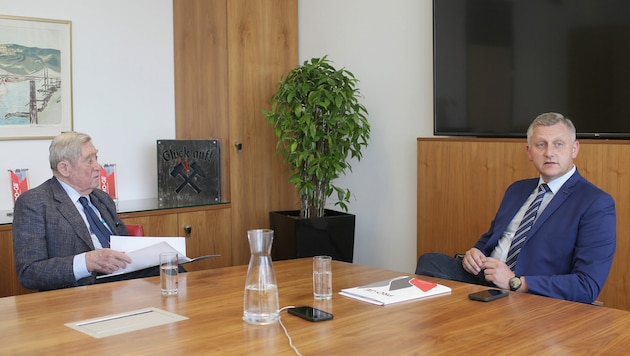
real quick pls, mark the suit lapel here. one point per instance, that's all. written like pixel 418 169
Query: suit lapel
pixel 558 199
pixel 69 211
pixel 516 204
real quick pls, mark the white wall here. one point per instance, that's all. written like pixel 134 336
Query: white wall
pixel 124 98
pixel 123 88
pixel 388 46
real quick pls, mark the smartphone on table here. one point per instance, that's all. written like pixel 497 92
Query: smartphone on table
pixel 310 313
pixel 488 295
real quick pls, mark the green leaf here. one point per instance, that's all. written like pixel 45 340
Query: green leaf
pixel 320 125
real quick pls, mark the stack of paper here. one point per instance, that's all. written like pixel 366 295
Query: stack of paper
pixel 395 290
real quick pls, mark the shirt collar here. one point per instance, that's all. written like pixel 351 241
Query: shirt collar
pixel 555 184
pixel 72 193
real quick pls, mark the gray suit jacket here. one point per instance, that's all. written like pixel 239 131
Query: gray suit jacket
pixel 48 232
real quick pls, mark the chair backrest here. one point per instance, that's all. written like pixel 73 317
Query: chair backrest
pixel 135 229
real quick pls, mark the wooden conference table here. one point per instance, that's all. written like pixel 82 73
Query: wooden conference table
pixel 213 302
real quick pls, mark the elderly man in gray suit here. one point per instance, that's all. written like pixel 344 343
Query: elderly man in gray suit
pixel 55 245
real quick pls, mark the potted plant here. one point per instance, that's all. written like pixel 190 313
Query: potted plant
pixel 320 125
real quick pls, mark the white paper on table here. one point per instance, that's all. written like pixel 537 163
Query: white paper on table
pixel 133 243
pixel 145 251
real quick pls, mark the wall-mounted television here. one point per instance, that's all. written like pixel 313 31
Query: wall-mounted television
pixel 500 63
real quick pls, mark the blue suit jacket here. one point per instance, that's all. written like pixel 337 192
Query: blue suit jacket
pixel 569 250
pixel 48 231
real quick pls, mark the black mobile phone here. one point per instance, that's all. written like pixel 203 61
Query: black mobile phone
pixel 310 313
pixel 488 295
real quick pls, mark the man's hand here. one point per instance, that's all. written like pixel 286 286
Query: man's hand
pixel 473 261
pixel 497 272
pixel 106 260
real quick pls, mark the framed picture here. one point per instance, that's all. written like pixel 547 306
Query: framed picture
pixel 35 78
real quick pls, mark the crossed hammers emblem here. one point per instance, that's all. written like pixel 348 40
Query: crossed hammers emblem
pixel 182 169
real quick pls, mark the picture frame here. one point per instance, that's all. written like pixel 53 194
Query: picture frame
pixel 35 77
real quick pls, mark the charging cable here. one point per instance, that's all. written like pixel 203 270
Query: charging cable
pixel 285 330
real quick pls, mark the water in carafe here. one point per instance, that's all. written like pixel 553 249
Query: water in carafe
pixel 260 304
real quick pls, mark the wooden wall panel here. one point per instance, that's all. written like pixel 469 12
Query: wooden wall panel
pixel 262 37
pixel 229 56
pixel 461 182
pixel 210 235
pixel 154 225
pixel 201 76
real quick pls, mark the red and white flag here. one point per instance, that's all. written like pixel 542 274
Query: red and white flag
pixel 19 182
pixel 108 180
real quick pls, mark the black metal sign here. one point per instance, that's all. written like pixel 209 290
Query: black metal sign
pixel 189 172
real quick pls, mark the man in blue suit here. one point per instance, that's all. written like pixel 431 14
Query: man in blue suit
pixel 53 243
pixel 565 247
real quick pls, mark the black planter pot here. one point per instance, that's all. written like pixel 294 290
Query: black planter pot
pixel 294 237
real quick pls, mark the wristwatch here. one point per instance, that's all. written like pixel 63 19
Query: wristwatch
pixel 515 283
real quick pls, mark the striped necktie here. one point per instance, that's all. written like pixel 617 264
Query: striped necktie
pixel 525 225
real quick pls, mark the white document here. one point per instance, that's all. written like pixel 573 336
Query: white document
pixel 396 290
pixel 145 251
pixel 133 243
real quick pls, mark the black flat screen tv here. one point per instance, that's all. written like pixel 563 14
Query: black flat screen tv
pixel 500 63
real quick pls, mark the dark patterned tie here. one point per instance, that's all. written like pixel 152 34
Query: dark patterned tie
pixel 98 228
pixel 525 225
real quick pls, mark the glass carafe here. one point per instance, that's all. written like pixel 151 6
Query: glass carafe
pixel 260 304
